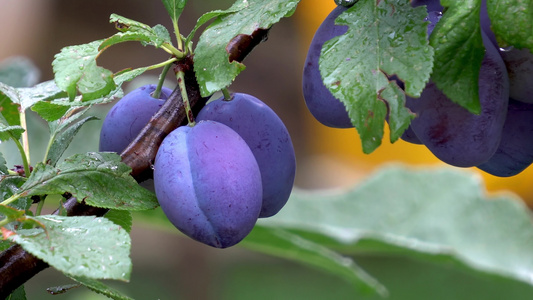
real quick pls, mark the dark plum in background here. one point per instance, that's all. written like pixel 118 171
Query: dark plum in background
pixel 515 152
pixel 455 135
pixel 267 137
pixel 519 62
pixel 327 109
pixel 208 183
pixel 431 5
pixel 128 116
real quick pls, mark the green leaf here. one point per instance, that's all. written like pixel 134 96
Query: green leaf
pixel 128 75
pixel 131 30
pixel 213 14
pixel 458 53
pixel 512 22
pixel 100 288
pixel 3 167
pixel 10 212
pixel 174 8
pixel 18 294
pixel 98 179
pixel 384 39
pixel 212 65
pixel 14 99
pixel 62 133
pixel 120 217
pixel 79 246
pixel 57 108
pixel 417 214
pixel 75 70
pixel 19 71
pixel 9 132
pixel 281 243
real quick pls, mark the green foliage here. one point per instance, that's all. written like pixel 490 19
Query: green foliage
pixel 79 246
pixel 75 70
pixel 393 33
pixel 174 8
pixel 458 53
pixel 98 179
pixel 214 70
pixel 512 22
pixel 281 243
pixel 100 288
pixel 131 30
pixel 62 135
pixel 419 216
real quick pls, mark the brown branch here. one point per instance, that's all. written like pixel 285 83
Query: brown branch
pixel 17 266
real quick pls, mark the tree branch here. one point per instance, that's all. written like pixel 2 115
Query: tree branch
pixel 17 266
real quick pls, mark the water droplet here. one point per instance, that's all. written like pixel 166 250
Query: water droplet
pixel 506 49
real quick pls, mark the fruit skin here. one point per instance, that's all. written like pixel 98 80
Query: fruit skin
pixel 431 5
pixel 128 116
pixel 515 152
pixel 519 62
pixel 327 109
pixel 455 135
pixel 267 137
pixel 208 183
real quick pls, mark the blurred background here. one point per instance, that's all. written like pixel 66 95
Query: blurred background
pixel 169 266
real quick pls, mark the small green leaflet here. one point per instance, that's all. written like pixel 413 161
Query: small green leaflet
pixel 512 22
pixel 213 14
pixel 99 179
pixel 3 167
pixel 9 132
pixel 55 109
pixel 458 53
pixel 100 288
pixel 174 8
pixel 62 132
pixel 18 294
pixel 79 246
pixel 387 38
pixel 120 217
pixel 214 71
pixel 14 99
pixel 75 70
pixel 131 30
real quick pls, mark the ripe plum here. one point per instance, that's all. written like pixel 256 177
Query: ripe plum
pixel 268 138
pixel 455 135
pixel 208 183
pixel 326 109
pixel 515 152
pixel 128 116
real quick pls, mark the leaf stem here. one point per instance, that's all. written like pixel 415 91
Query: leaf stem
pixel 25 139
pixel 40 206
pixel 25 162
pixel 162 64
pixel 172 50
pixel 181 85
pixel 227 95
pixel 178 35
pixel 157 92
pixel 11 199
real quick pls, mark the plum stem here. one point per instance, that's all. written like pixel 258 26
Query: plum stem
pixel 227 94
pixel 185 97
pixel 157 92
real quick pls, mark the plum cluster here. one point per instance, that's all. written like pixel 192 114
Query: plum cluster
pixel 497 141
pixel 215 178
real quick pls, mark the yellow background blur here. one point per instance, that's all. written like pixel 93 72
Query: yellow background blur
pixel 342 147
